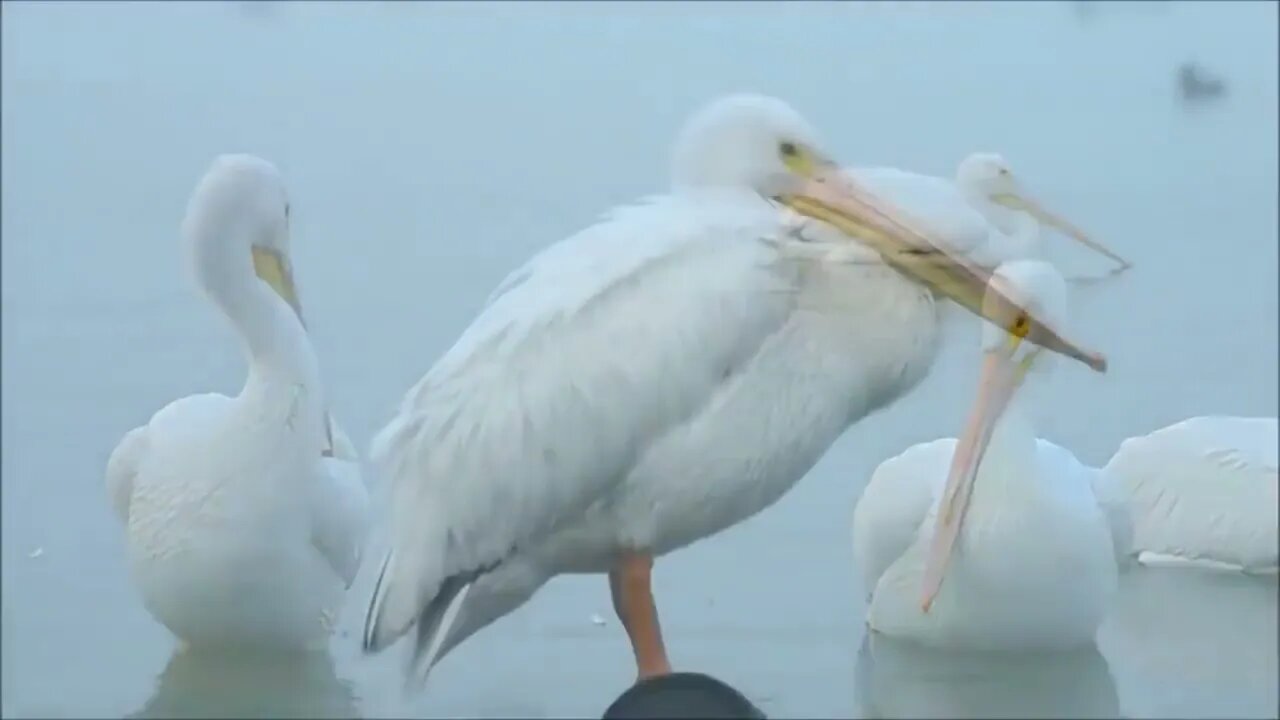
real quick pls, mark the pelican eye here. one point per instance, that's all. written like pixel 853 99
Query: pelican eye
pixel 796 158
pixel 1021 326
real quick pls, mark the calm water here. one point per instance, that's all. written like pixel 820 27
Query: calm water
pixel 430 148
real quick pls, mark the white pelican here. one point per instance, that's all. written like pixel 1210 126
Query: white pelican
pixel 1203 490
pixel 984 213
pixel 245 516
pixel 652 380
pixel 1038 550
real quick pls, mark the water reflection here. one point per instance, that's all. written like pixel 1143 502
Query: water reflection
pixel 202 684
pixel 901 679
pixel 1191 642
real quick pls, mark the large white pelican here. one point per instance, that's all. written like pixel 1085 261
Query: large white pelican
pixel 984 212
pixel 1203 490
pixel 1038 548
pixel 245 516
pixel 654 379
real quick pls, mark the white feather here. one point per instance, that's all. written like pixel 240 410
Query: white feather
pixel 1204 489
pixel 981 212
pixel 937 204
pixel 238 531
pixel 340 508
pixel 122 468
pixel 1035 564
pixel 648 382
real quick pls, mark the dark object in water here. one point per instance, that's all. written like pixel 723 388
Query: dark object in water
pixel 1196 84
pixel 682 695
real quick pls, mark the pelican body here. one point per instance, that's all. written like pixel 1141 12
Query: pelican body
pixel 654 379
pixel 1035 562
pixel 1203 490
pixel 984 212
pixel 244 516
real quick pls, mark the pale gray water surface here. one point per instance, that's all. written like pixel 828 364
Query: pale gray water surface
pixel 431 148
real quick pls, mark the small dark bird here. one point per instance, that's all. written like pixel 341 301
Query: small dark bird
pixel 1196 84
pixel 682 695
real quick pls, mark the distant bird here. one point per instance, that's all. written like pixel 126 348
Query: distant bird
pixel 1204 489
pixel 244 516
pixel 1195 83
pixel 655 379
pixel 1033 537
pixel 983 212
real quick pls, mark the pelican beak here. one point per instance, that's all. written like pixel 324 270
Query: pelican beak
pixel 273 268
pixel 999 381
pixel 1019 201
pixel 826 193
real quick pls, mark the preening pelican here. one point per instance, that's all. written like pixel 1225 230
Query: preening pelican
pixel 984 213
pixel 1038 545
pixel 244 516
pixel 653 379
pixel 1203 489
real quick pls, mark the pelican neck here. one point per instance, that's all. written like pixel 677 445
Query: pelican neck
pixel 1008 465
pixel 273 339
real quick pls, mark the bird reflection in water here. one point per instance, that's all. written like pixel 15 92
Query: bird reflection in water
pixel 226 684
pixel 897 678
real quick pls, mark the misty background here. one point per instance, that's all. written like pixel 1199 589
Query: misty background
pixel 430 148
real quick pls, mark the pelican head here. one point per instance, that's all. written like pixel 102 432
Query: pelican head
pixel 744 140
pixel 238 217
pixel 986 177
pixel 1008 358
pixel 761 144
pixel 1038 287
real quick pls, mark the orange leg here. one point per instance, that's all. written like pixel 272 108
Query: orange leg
pixel 631 585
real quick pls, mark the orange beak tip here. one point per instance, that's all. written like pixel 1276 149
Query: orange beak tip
pixel 1098 362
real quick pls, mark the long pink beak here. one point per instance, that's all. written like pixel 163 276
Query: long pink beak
pixel 1000 379
pixel 837 199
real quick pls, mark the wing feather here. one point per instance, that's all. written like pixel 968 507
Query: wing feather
pixel 122 468
pixel 340 508
pixel 935 203
pixel 895 504
pixel 1204 488
pixel 576 364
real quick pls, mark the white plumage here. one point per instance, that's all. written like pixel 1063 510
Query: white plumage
pixel 244 516
pixel 1036 559
pixel 645 383
pixel 1204 489
pixel 983 212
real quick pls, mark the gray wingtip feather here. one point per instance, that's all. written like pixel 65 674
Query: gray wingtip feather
pixel 372 641
pixel 433 629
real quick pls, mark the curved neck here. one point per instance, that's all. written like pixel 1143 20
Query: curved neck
pixel 1008 471
pixel 1020 229
pixel 275 342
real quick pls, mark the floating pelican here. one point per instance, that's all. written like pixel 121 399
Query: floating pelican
pixel 984 213
pixel 654 379
pixel 1203 490
pixel 1038 547
pixel 244 516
